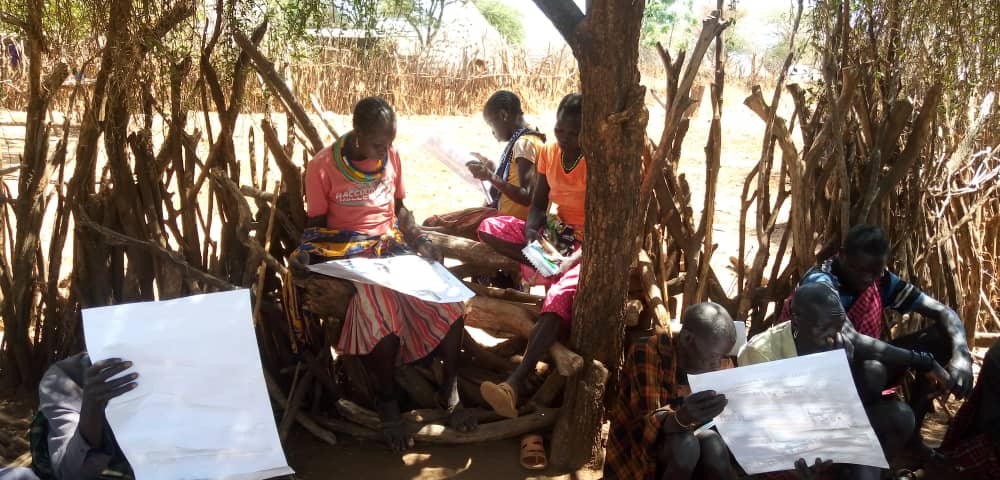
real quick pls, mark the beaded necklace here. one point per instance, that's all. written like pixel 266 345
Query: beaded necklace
pixel 576 162
pixel 352 173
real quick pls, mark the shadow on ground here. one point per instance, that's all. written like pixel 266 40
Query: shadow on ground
pixel 367 460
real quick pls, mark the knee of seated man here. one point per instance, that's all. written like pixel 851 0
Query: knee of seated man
pixel 713 449
pixel 901 415
pixel 680 451
pixel 893 420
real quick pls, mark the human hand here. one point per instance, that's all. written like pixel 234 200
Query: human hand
pixel 479 171
pixel 483 160
pixel 807 472
pixel 702 406
pixel 98 390
pixel 941 379
pixel 960 371
pixel 430 251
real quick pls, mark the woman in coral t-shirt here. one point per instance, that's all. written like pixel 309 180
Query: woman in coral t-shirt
pixel 561 178
pixel 354 195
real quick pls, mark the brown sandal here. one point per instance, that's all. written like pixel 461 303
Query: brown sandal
pixel 500 396
pixel 533 452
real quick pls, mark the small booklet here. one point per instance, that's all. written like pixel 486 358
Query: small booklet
pixel 547 260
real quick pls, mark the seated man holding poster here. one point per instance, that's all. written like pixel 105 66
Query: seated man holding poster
pixel 817 325
pixel 655 418
pixel 70 436
pixel 354 192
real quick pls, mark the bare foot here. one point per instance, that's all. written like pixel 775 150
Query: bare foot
pixel 462 419
pixel 392 426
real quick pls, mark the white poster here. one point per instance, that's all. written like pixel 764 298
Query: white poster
pixel 804 407
pixel 201 409
pixel 409 274
pixel 455 159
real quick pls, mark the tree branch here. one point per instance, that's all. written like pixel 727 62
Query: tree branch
pixel 274 81
pixel 114 237
pixel 170 19
pixel 14 21
pixel 564 15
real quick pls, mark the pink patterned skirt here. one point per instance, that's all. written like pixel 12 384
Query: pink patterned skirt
pixel 561 289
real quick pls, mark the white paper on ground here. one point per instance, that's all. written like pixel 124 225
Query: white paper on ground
pixel 454 159
pixel 408 274
pixel 201 409
pixel 803 407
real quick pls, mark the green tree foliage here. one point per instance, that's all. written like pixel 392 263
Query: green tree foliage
pixel 506 20
pixel 424 16
pixel 360 14
pixel 663 18
pixel 297 16
pixel 67 24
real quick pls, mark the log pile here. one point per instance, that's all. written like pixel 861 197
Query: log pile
pixel 504 313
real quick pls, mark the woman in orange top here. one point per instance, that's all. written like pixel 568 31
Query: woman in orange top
pixel 561 178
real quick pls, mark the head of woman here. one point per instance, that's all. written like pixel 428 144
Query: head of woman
pixel 503 114
pixel 374 131
pixel 568 121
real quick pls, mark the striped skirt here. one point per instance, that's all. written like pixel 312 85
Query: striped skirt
pixel 376 312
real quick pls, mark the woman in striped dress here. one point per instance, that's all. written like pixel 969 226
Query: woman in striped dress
pixel 354 195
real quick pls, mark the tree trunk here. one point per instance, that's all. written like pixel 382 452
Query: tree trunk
pixel 605 43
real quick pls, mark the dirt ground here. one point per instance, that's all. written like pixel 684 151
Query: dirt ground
pixel 431 188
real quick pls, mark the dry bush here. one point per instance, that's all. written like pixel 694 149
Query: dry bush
pixel 416 85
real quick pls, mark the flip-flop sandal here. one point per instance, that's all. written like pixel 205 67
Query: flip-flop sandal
pixel 533 452
pixel 501 397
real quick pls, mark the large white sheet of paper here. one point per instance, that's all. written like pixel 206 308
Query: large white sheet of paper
pixel 409 274
pixel 201 409
pixel 454 159
pixel 804 407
